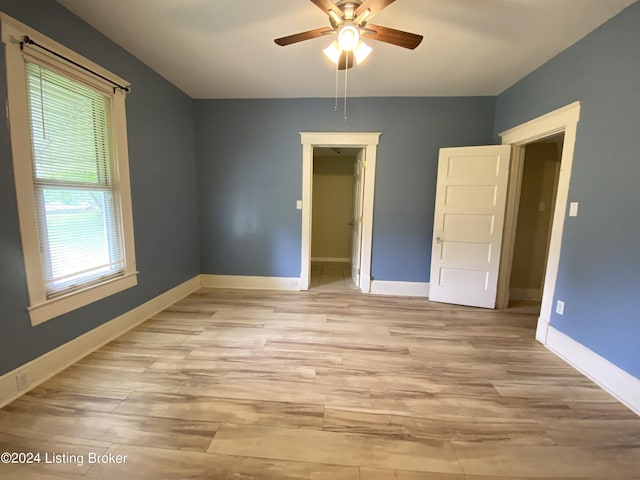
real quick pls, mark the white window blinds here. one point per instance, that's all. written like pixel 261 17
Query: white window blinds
pixel 77 199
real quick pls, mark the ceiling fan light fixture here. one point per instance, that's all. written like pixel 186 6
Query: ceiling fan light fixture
pixel 361 52
pixel 348 37
pixel 333 52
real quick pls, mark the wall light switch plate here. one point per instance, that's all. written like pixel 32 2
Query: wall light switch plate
pixel 560 307
pixel 573 209
pixel 299 204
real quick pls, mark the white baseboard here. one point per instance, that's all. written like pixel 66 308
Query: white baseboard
pixel 331 259
pixel 542 327
pixel 620 384
pixel 250 283
pixel 53 362
pixel 525 294
pixel 404 289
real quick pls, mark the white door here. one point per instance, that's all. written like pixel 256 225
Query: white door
pixel 356 218
pixel 470 205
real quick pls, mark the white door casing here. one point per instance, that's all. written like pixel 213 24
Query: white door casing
pixel 356 218
pixel 369 142
pixel 469 213
pixel 565 120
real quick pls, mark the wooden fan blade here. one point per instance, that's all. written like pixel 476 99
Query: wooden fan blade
pixel 392 36
pixel 375 6
pixel 300 37
pixel 326 5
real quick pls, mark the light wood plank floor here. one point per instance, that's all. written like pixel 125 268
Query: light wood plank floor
pixel 231 384
pixel 332 277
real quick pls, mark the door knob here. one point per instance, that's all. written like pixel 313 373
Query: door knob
pixel 439 240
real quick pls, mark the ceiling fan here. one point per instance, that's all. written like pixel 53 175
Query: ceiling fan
pixel 349 20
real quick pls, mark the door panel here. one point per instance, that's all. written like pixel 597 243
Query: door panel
pixel 465 254
pixel 483 197
pixel 463 278
pixel 468 221
pixel 457 224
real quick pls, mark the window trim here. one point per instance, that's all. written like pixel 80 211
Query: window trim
pixel 40 307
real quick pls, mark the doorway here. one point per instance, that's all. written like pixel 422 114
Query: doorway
pixel 478 188
pixel 367 143
pixel 335 200
pixel 538 187
pixel 563 121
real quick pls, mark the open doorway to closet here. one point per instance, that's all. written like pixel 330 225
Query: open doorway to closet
pixel 478 194
pixel 537 198
pixel 561 123
pixel 335 219
pixel 366 143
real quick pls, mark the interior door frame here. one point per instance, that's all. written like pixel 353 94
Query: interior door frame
pixel 368 141
pixel 565 120
pixel 356 216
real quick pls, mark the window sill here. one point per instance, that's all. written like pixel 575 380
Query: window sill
pixel 55 307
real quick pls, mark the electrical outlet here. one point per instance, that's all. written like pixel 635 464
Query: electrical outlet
pixel 560 307
pixel 22 380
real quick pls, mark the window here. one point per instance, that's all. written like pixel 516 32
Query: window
pixel 76 197
pixel 68 139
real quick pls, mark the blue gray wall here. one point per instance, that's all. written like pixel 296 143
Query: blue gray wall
pixel 599 277
pixel 162 164
pixel 250 176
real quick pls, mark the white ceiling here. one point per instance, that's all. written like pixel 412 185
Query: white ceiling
pixel 225 48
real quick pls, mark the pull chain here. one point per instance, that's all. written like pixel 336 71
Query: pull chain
pixel 346 75
pixel 335 106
